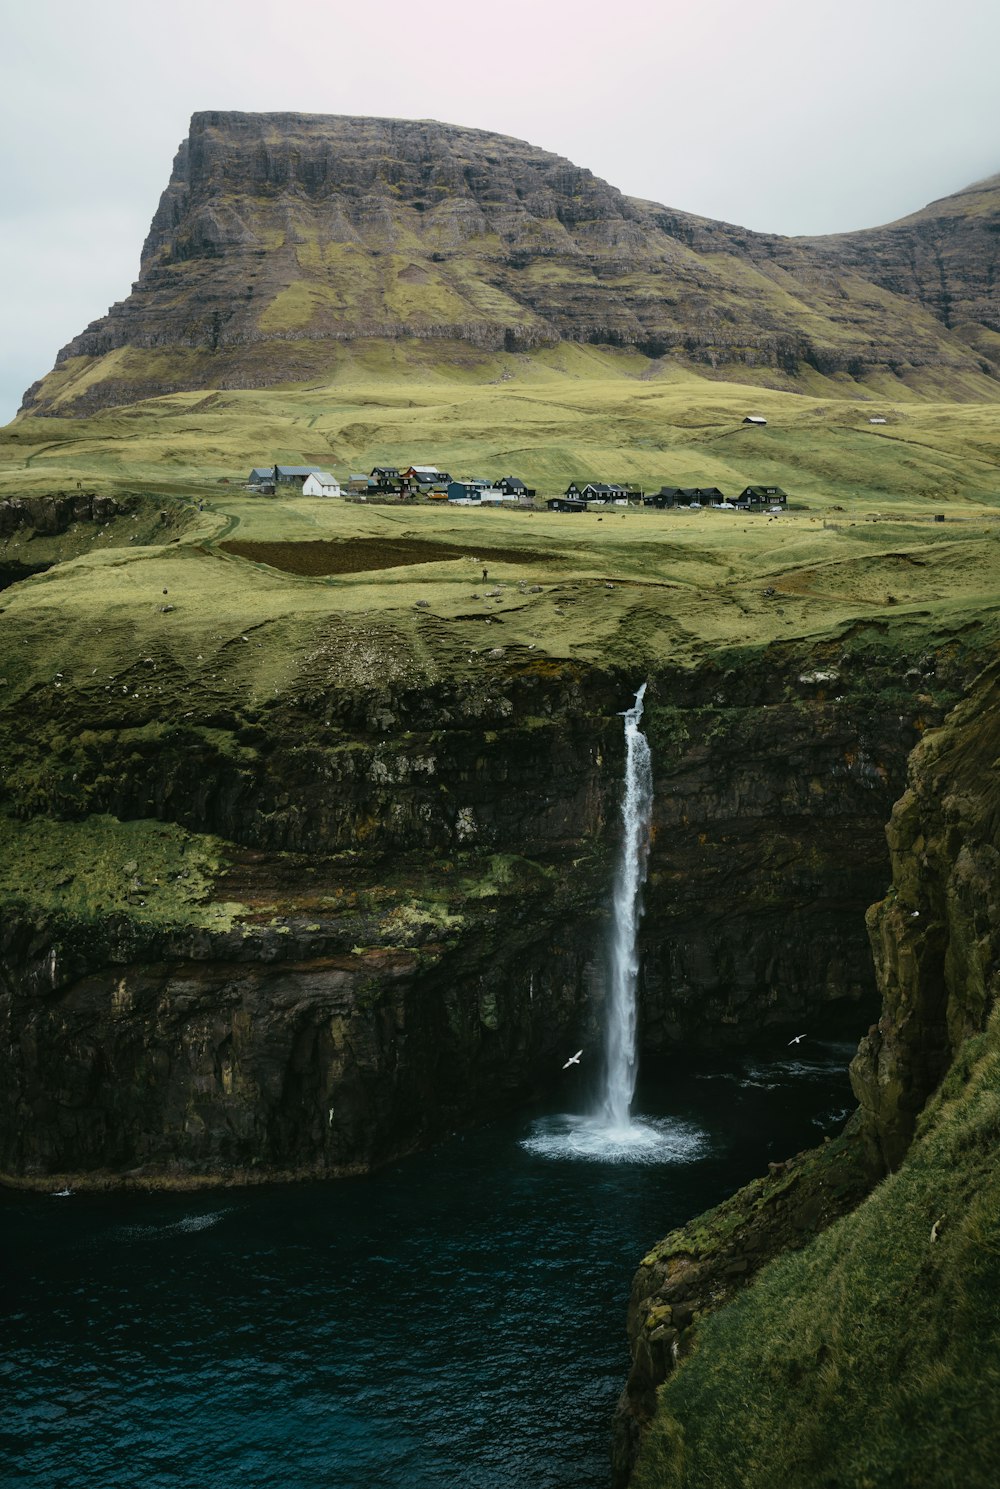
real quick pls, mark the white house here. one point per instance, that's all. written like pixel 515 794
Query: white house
pixel 320 483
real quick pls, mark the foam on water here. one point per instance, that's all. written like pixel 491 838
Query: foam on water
pixel 190 1224
pixel 593 1140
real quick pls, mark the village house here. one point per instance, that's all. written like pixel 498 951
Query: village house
pixel 384 478
pixel 512 486
pixel 261 476
pixel 471 490
pixel 294 475
pixel 599 491
pixel 566 504
pixel 321 483
pixel 762 496
pixel 422 477
pixel 358 485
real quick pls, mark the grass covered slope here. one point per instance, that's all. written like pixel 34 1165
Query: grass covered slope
pixel 872 1357
pixel 552 417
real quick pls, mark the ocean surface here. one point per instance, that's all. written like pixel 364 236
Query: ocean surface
pixel 456 1321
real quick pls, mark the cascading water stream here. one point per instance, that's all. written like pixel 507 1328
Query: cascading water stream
pixel 610 1134
pixel 620 1034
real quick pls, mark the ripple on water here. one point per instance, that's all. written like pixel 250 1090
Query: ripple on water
pixel 647 1140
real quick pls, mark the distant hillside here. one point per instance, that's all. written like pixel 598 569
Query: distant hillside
pixel 282 237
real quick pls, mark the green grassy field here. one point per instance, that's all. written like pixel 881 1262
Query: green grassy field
pixel 204 603
pixel 552 417
pixel 629 588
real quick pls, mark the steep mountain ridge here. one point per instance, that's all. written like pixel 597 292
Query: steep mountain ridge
pixel 280 237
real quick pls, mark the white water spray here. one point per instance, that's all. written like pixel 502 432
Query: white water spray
pixel 620 1033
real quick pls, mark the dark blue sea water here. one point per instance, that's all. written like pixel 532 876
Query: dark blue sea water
pixel 455 1322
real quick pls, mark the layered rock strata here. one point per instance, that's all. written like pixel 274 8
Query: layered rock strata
pixel 423 875
pixel 283 237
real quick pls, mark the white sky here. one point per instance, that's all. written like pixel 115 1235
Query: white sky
pixel 790 116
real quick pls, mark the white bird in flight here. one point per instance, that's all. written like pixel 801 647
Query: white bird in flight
pixel 797 1039
pixel 573 1060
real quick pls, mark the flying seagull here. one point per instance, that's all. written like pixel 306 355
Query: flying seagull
pixel 798 1038
pixel 573 1060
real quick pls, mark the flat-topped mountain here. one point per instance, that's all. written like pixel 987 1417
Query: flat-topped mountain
pixel 281 238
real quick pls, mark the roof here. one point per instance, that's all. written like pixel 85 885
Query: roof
pixel 297 470
pixel 262 473
pixel 325 477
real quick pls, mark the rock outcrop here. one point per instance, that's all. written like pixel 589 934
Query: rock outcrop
pixel 936 943
pixel 281 238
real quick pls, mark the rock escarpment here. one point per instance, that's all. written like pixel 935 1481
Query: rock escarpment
pixel 925 1080
pixel 936 935
pixel 945 257
pixel 281 238
pixel 409 953
pixel 410 925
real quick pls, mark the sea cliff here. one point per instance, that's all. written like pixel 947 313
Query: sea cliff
pixel 302 939
pixel 873 1259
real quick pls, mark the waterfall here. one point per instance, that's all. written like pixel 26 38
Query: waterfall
pixel 610 1134
pixel 620 1029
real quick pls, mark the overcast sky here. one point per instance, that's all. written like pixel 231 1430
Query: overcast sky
pixel 791 116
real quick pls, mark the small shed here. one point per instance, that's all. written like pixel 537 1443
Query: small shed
pixel 566 504
pixel 757 419
pixel 261 475
pixel 321 483
pixel 358 485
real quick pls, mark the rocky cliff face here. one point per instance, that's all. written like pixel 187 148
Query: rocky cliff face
pixel 423 876
pixel 282 236
pixel 936 942
pixel 415 944
pixel 946 258
pixel 936 935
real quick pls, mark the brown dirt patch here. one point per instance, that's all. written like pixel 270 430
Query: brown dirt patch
pixel 357 555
